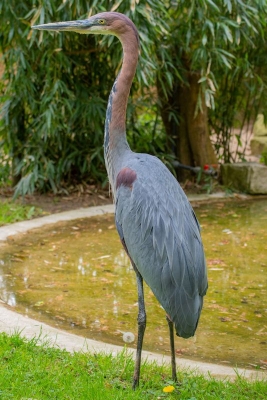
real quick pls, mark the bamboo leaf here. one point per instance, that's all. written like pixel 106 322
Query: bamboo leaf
pixel 227 32
pixel 211 27
pixel 202 79
pixel 211 85
pixel 228 4
pixel 213 5
pixel 204 39
pixel 116 6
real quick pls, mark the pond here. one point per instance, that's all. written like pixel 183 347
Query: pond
pixel 76 276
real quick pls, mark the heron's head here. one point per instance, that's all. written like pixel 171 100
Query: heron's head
pixel 105 23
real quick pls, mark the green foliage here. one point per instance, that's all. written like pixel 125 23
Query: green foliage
pixel 11 212
pixel 56 90
pixel 225 42
pixel 241 92
pixel 4 171
pixel 206 35
pixel 56 86
pixel 145 131
pixel 263 158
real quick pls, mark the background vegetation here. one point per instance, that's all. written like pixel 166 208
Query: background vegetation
pixel 14 212
pixel 202 71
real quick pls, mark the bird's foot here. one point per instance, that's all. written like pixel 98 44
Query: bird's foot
pixel 135 383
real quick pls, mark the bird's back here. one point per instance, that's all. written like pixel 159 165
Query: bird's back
pixel 161 234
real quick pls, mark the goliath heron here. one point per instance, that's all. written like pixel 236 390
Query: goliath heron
pixel 155 221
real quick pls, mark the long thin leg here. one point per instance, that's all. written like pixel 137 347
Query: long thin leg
pixel 173 361
pixel 141 319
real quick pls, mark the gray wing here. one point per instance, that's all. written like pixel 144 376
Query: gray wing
pixel 159 229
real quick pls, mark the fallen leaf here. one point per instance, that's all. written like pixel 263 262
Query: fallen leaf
pixel 39 303
pixel 215 261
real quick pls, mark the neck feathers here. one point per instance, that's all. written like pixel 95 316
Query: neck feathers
pixel 115 126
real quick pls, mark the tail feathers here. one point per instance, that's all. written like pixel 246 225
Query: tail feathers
pixel 187 316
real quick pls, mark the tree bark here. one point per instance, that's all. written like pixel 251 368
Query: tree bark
pixel 18 144
pixel 189 131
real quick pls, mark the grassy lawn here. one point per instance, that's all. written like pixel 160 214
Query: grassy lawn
pixel 11 211
pixel 34 370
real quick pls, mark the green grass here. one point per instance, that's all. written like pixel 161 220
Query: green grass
pixel 34 370
pixel 11 211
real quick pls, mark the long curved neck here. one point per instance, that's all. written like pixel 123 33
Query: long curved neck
pixel 115 142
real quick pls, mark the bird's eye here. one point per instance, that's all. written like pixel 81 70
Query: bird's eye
pixel 101 21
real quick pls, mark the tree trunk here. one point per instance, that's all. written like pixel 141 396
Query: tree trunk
pixel 18 145
pixel 189 131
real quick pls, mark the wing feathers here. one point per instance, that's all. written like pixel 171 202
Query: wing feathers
pixel 162 237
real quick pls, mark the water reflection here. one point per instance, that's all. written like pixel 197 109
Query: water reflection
pixel 78 277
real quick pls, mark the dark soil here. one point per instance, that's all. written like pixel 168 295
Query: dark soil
pixel 80 196
pixel 75 198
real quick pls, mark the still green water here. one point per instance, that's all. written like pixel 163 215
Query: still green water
pixel 76 276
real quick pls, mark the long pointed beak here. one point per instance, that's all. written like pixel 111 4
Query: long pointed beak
pixel 81 26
